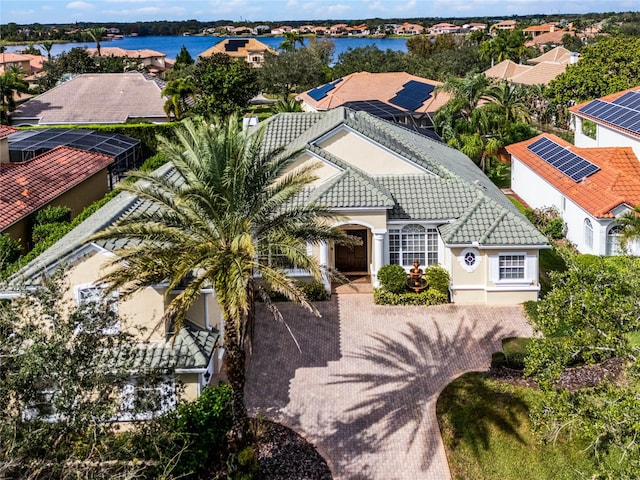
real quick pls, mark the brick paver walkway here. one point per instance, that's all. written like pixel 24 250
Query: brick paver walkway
pixel 365 386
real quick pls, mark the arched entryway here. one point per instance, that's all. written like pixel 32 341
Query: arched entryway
pixel 354 260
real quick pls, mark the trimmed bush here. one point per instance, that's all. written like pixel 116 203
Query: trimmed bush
pixel 53 214
pixel 429 296
pixel 393 278
pixel 315 291
pixel 515 351
pixel 438 279
pixel 55 230
pixel 9 250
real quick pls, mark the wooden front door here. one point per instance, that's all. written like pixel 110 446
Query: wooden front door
pixel 353 260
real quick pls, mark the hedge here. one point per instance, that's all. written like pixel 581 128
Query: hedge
pixel 430 296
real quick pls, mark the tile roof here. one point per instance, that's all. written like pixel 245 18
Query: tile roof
pixel 555 55
pixel 252 45
pixel 6 130
pixel 540 74
pixel 121 52
pixel 617 182
pixel 374 86
pixel 96 98
pixel 607 98
pixel 28 186
pixel 547 37
pixel 506 69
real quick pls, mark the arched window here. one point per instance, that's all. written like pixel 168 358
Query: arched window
pixel 613 240
pixel 413 242
pixel 588 233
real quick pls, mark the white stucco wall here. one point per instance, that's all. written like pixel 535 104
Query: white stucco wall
pixel 605 137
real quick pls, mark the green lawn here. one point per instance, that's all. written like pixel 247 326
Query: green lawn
pixel 487 435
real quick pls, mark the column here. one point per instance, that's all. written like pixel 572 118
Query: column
pixel 378 254
pixel 324 262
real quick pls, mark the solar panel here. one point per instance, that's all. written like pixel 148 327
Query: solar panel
pixel 234 45
pixel 623 112
pixel 562 159
pixel 320 92
pixel 377 108
pixel 412 95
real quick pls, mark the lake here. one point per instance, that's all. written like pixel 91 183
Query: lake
pixel 195 45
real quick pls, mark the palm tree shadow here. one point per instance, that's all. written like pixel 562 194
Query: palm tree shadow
pixel 400 380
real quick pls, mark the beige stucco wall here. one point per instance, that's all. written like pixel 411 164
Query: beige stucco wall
pixel 323 172
pixel 4 149
pixel 366 155
pixel 191 386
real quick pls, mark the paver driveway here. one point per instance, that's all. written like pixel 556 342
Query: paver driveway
pixel 365 386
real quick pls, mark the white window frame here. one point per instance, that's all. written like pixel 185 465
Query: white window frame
pixel 614 248
pixel 98 295
pixel 588 233
pixel 513 255
pixel 464 257
pixel 426 236
pixel 129 392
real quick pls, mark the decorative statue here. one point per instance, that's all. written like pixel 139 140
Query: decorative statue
pixel 415 274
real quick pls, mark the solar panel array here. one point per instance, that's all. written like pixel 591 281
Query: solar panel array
pixel 412 95
pixel 377 108
pixel 234 45
pixel 624 112
pixel 320 92
pixel 563 159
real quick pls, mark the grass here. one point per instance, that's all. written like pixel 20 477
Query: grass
pixel 487 434
pixel 518 205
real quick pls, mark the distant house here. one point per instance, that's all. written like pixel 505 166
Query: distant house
pixel 472 27
pixel 153 62
pixel 409 29
pixel 509 25
pixel 548 38
pixel 590 187
pixel 395 96
pixel 96 98
pixel 609 121
pixel 443 28
pixel 249 49
pixel 9 60
pixel 544 68
pixel 63 176
pixel 535 30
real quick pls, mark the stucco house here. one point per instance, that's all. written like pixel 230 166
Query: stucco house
pixel 248 49
pixel 542 70
pixel 609 121
pixel 590 187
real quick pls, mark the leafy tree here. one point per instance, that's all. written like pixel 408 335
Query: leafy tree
pixel 504 46
pixel 60 384
pixel 31 50
pixel 293 70
pixel 213 225
pixel 11 84
pixel 9 251
pixel 369 59
pixel 607 66
pixel 290 40
pixel 508 101
pixel 96 34
pixel 283 106
pixel 179 92
pixel 630 223
pixel 223 85
pixel 75 61
pixel 572 42
pixel 184 57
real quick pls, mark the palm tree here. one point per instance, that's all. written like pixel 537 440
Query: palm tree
pixel 178 92
pixel 96 34
pixel 283 106
pixel 508 101
pixel 47 45
pixel 216 223
pixel 290 40
pixel 11 84
pixel 630 223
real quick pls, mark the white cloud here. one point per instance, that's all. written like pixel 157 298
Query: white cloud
pixel 80 6
pixel 337 9
pixel 407 6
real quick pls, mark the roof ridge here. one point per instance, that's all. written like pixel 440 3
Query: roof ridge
pixel 493 226
pixel 460 221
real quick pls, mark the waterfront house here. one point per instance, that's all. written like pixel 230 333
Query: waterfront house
pixel 249 49
pixel 151 60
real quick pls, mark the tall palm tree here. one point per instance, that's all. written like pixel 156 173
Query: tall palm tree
pixel 47 45
pixel 178 92
pixel 215 223
pixel 96 34
pixel 508 101
pixel 290 40
pixel 11 84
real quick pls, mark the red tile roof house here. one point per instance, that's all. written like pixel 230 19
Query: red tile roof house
pixel 616 118
pixel 63 176
pixel 589 186
pixel 152 60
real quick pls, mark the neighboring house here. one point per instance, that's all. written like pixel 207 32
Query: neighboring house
pixel 472 27
pixel 609 121
pixel 96 98
pixel 63 176
pixel 8 60
pixel 544 68
pixel 548 38
pixel 535 30
pixel 409 29
pixel 590 187
pixel 248 49
pixel 442 28
pixel 396 96
pixel 5 131
pixel 191 353
pixel 503 25
pixel 152 61
pixel 409 197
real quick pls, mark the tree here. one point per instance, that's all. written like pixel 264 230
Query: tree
pixel 11 84
pixel 223 85
pixel 369 59
pixel 291 38
pixel 217 223
pixel 96 34
pixel 61 378
pixel 293 70
pixel 184 57
pixel 508 101
pixel 75 61
pixel 179 92
pixel 9 251
pixel 47 45
pixel 630 223
pixel 284 106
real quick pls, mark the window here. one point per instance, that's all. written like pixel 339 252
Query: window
pixel 413 242
pixel 94 295
pixel 143 399
pixel 511 267
pixel 469 259
pixel 613 240
pixel 42 408
pixel 588 233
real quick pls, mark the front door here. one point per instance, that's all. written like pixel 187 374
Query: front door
pixel 354 259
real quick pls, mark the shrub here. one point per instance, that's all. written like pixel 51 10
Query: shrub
pixel 430 296
pixel 437 279
pixel 393 278
pixel 43 231
pixel 315 291
pixel 53 214
pixel 548 220
pixel 9 250
pixel 515 351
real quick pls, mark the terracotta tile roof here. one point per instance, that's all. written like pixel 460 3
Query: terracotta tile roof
pixel 28 186
pixel 10 57
pixel 121 52
pixel 6 130
pixel 540 74
pixel 555 55
pixel 374 86
pixel 607 98
pixel 617 182
pixel 547 37
pixel 506 70
pixel 252 45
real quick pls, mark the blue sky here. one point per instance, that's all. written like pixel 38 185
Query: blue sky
pixel 65 11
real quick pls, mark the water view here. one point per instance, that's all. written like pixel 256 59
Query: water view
pixel 195 45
